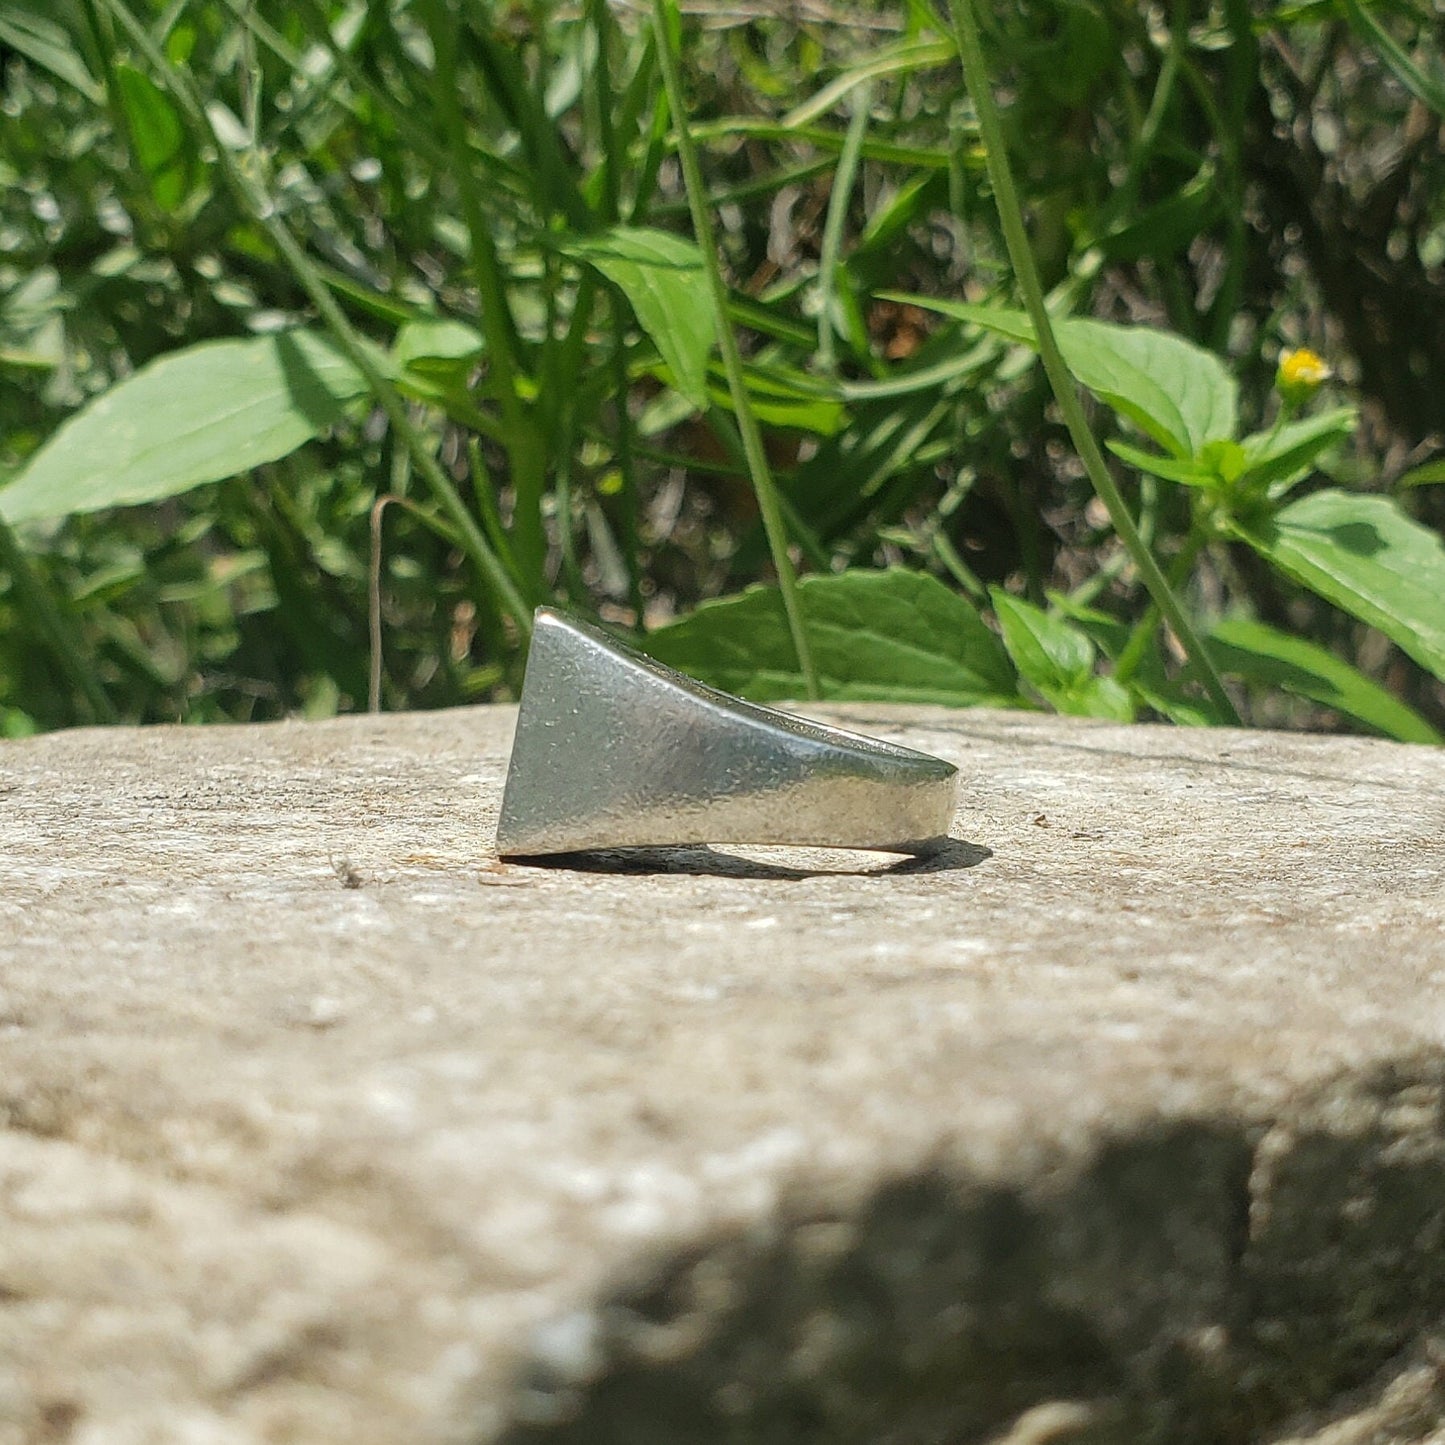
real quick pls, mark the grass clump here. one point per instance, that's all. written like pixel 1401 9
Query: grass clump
pixel 633 309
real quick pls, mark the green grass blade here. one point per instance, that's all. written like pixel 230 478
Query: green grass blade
pixel 664 15
pixel 843 179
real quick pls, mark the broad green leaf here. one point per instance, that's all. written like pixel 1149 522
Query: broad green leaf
pixel 1258 653
pixel 1366 556
pixel 158 136
pixel 1048 651
pixel 1176 392
pixel 198 415
pixel 663 278
pixel 1277 459
pixel 1056 658
pixel 434 358
pixel 892 636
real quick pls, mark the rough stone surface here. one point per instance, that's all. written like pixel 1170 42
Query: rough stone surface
pixel 1122 1121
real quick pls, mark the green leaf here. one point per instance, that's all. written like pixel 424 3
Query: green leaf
pixel 1056 658
pixel 1261 654
pixel 1168 227
pixel 197 415
pixel 891 636
pixel 1171 469
pixel 1366 556
pixel 1176 392
pixel 893 216
pixel 1267 462
pixel 1174 703
pixel 1097 697
pixel 441 350
pixel 783 398
pixel 158 136
pixel 1180 698
pixel 663 278
pixel 886 440
pixel 1425 476
pixel 1425 87
pixel 907 56
pixel 1106 632
pixel 17 724
pixel 1278 459
pixel 26 27
pixel 1225 460
pixel 1047 651
pixel 821 418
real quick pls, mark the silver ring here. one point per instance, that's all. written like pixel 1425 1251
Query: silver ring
pixel 614 750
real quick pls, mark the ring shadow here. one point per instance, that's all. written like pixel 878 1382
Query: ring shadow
pixel 950 856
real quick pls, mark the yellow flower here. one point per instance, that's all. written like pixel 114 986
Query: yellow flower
pixel 1301 373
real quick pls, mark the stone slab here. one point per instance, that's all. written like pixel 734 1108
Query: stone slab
pixel 1123 1120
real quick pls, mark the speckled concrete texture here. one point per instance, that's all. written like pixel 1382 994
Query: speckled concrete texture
pixel 1122 1120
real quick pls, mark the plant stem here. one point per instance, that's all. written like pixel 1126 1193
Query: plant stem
pixel 1242 73
pixel 630 514
pixel 51 621
pixel 762 477
pixel 600 19
pixel 526 455
pixel 358 352
pixel 1147 138
pixel 975 73
pixel 1127 663
pixel 486 496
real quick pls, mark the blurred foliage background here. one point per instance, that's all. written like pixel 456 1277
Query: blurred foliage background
pixel 475 188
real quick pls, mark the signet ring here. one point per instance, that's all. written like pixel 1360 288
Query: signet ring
pixel 615 750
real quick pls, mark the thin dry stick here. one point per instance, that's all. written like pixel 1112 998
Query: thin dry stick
pixel 373 597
